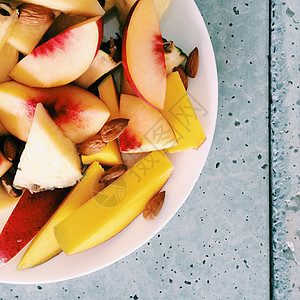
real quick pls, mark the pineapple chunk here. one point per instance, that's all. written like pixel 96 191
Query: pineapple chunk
pixel 49 160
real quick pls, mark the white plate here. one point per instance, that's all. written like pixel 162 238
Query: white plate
pixel 184 25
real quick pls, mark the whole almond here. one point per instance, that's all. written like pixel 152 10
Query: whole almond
pixel 112 174
pixel 182 75
pixel 154 205
pixel 7 182
pixel 192 63
pixel 10 148
pixel 31 14
pixel 113 129
pixel 92 145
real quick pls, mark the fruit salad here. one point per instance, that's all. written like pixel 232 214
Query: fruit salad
pixel 82 154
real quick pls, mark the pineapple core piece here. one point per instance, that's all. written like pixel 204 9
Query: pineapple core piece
pixel 49 160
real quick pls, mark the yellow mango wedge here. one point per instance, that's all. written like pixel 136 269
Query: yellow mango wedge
pixel 115 207
pixel 44 246
pixel 109 156
pixel 108 94
pixel 181 115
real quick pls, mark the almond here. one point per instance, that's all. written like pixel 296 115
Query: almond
pixel 10 148
pixel 92 145
pixel 154 205
pixel 113 129
pixel 5 9
pixel 182 75
pixel 112 174
pixel 31 14
pixel 192 63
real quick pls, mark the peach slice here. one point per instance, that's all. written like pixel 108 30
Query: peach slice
pixel 109 156
pixel 147 130
pixel 44 245
pixel 4 164
pixel 115 207
pixel 108 94
pixel 9 57
pixel 25 35
pixel 126 87
pixel 124 7
pixel 30 214
pixel 78 113
pixel 62 23
pixel 181 115
pixel 101 65
pixel 63 58
pixel 49 159
pixel 143 54
pixel 89 8
pixel 8 18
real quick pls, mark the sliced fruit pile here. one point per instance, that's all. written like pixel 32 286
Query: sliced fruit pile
pixel 62 119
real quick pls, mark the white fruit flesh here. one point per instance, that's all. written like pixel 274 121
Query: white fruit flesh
pixel 49 160
pixel 101 65
pixel 173 56
pixel 61 59
pixel 143 55
pixel 148 130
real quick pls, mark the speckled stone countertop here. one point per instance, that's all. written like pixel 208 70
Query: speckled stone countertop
pixel 218 244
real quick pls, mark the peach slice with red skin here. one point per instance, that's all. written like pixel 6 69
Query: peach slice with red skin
pixel 25 37
pixel 143 54
pixel 30 214
pixel 77 112
pixel 147 130
pixel 63 58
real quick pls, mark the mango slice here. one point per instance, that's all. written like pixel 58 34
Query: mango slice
pixel 108 94
pixel 109 156
pixel 115 207
pixel 44 245
pixel 181 115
